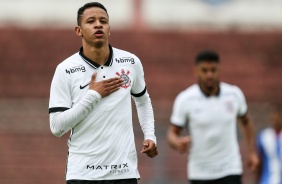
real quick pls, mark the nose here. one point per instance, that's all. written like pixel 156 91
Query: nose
pixel 210 74
pixel 98 24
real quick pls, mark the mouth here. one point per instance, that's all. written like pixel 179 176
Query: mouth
pixel 99 34
pixel 210 83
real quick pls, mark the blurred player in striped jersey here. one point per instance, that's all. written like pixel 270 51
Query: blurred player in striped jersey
pixel 269 143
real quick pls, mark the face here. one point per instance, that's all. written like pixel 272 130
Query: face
pixel 94 27
pixel 275 119
pixel 207 74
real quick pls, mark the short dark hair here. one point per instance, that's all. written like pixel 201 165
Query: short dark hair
pixel 86 6
pixel 207 56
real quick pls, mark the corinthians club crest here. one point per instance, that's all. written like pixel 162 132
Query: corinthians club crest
pixel 229 106
pixel 124 76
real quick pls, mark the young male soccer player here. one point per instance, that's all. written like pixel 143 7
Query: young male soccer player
pixel 209 109
pixel 91 96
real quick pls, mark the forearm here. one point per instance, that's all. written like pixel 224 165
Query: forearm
pixel 146 116
pixel 62 122
pixel 248 131
pixel 176 141
pixel 172 138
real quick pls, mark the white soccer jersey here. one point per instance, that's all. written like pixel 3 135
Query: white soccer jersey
pixel 211 121
pixel 101 146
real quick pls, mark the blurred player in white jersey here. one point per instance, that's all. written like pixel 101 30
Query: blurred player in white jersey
pixel 91 96
pixel 269 143
pixel 209 110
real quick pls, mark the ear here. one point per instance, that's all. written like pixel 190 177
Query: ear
pixel 78 31
pixel 109 30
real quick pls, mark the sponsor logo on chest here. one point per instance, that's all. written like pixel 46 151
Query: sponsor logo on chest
pixel 125 60
pixel 76 69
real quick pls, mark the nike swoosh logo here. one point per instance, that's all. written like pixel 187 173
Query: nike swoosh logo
pixel 82 87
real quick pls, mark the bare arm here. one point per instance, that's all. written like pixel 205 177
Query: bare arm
pixel 248 131
pixel 176 141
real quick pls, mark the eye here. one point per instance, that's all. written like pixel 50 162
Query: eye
pixel 204 70
pixel 103 21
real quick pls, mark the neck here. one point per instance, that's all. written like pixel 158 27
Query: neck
pixel 210 91
pixel 98 55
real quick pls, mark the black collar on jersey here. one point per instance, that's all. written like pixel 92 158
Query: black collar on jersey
pixel 95 65
pixel 208 95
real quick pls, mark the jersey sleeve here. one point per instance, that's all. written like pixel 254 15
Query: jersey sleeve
pixel 60 92
pixel 242 109
pixel 139 86
pixel 179 116
pixel 146 116
pixel 64 116
pixel 143 102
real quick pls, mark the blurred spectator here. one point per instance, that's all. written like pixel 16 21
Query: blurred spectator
pixel 269 143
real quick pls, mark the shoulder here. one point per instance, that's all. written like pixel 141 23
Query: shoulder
pixel 191 93
pixel 122 53
pixel 230 89
pixel 122 56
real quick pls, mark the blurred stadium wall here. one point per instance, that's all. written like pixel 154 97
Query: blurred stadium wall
pixel 36 35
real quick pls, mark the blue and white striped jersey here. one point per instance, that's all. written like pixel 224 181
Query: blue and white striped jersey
pixel 270 149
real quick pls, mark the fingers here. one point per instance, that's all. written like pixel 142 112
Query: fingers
pixel 252 167
pixel 152 153
pixel 150 148
pixel 253 163
pixel 105 87
pixel 145 147
pixel 185 139
pixel 183 143
pixel 93 77
pixel 112 85
pixel 113 80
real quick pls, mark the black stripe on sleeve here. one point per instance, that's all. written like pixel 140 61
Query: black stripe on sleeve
pixel 57 109
pixel 140 94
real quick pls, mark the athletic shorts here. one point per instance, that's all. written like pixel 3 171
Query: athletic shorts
pixel 231 179
pixel 123 181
